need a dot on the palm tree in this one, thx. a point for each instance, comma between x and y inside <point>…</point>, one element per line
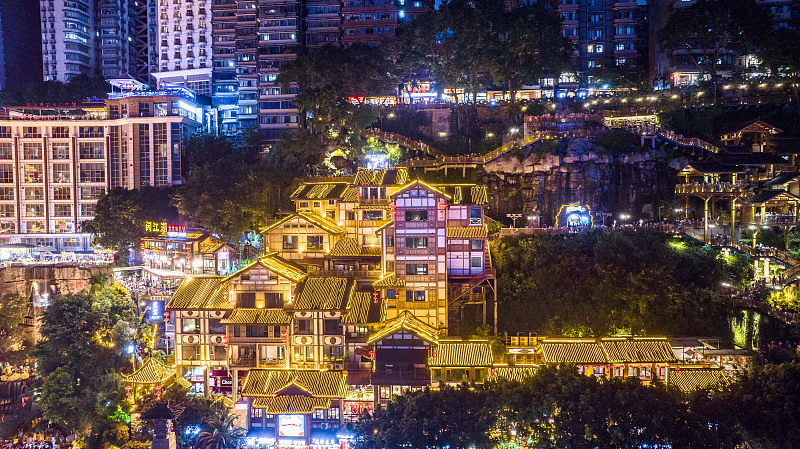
<point>221,432</point>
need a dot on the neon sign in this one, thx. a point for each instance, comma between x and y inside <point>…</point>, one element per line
<point>164,229</point>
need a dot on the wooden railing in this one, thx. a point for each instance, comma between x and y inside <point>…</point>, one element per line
<point>707,187</point>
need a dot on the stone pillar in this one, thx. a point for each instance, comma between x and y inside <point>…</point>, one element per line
<point>163,435</point>
<point>755,268</point>
<point>766,269</point>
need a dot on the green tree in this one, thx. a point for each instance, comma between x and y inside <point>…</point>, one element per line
<point>708,30</point>
<point>79,357</point>
<point>221,433</point>
<point>230,190</point>
<point>327,77</point>
<point>120,215</point>
<point>531,44</point>
<point>622,282</point>
<point>764,400</point>
<point>13,308</point>
<point>76,91</point>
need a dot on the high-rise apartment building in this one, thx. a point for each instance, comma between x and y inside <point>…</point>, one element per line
<point>55,162</point>
<point>183,30</point>
<point>108,38</point>
<point>19,24</point>
<point>252,39</point>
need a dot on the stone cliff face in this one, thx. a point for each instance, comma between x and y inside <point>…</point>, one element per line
<point>55,278</point>
<point>538,181</point>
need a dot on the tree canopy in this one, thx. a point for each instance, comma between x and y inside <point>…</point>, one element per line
<point>605,283</point>
<point>560,408</point>
<point>120,214</point>
<point>708,30</point>
<point>230,190</point>
<point>80,356</point>
<point>77,90</point>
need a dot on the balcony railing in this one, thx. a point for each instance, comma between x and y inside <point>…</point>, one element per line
<point>367,274</point>
<point>401,374</point>
<point>773,220</point>
<point>707,187</point>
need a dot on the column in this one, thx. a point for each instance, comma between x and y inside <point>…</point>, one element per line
<point>766,269</point>
<point>705,220</point>
<point>733,220</point>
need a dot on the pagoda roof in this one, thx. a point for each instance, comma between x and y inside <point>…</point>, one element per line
<point>468,232</point>
<point>324,293</point>
<point>572,351</point>
<point>318,221</point>
<point>257,316</point>
<point>320,191</point>
<point>294,404</point>
<point>384,226</point>
<point>316,383</point>
<point>751,158</point>
<point>277,264</point>
<point>151,372</point>
<point>471,353</point>
<point>782,178</point>
<point>513,373</point>
<point>361,309</point>
<point>758,126</point>
<point>709,167</point>
<point>210,246</point>
<point>465,193</point>
<point>349,247</point>
<point>408,322</point>
<point>620,350</point>
<point>389,281</point>
<point>691,379</point>
<point>772,195</point>
<point>418,183</point>
<point>386,177</point>
<point>201,292</point>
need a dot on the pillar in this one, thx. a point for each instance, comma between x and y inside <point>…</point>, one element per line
<point>786,238</point>
<point>235,385</point>
<point>755,268</point>
<point>206,393</point>
<point>733,220</point>
<point>686,208</point>
<point>705,220</point>
<point>766,269</point>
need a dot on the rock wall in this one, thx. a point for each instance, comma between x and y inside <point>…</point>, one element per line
<point>61,278</point>
<point>538,180</point>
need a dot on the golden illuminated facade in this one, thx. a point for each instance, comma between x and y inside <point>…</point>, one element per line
<point>354,302</point>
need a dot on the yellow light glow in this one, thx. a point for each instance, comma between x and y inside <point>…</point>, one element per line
<point>674,96</point>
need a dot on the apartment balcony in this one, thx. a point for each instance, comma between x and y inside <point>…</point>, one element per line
<point>624,5</point>
<point>253,362</point>
<point>369,22</point>
<point>373,201</point>
<point>382,376</point>
<point>708,188</point>
<point>568,8</point>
